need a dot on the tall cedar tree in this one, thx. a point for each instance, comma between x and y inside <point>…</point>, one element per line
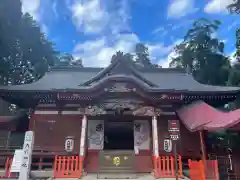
<point>25,53</point>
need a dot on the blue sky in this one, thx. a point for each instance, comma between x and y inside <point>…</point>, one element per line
<point>95,29</point>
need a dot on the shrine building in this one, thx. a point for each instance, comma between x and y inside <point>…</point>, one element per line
<point>120,112</point>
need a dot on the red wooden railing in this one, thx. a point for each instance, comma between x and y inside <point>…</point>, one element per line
<point>63,167</point>
<point>68,167</point>
<point>200,170</point>
<point>196,170</point>
<point>7,173</point>
<point>8,165</point>
<point>164,167</point>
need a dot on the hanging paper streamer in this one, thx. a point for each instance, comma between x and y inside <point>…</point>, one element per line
<point>95,134</point>
<point>141,135</point>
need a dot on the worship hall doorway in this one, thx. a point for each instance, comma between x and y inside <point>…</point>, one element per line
<point>118,135</point>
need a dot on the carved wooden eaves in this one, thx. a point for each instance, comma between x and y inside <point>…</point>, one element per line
<point>120,87</point>
<point>121,104</point>
<point>93,111</point>
<point>146,111</point>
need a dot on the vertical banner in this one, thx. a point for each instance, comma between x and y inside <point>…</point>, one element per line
<point>95,134</point>
<point>174,129</point>
<point>141,135</point>
<point>27,155</point>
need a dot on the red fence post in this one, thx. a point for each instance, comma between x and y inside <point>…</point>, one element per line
<point>68,167</point>
<point>216,170</point>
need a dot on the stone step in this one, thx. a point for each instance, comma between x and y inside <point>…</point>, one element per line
<point>116,171</point>
<point>117,175</point>
<point>138,176</point>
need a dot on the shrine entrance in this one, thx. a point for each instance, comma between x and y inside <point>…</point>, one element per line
<point>118,135</point>
<point>118,152</point>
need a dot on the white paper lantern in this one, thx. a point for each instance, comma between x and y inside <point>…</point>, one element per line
<point>69,144</point>
<point>167,145</point>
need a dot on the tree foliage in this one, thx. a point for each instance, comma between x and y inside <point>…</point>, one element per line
<point>67,60</point>
<point>142,55</point>
<point>234,75</point>
<point>234,7</point>
<point>237,54</point>
<point>25,52</point>
<point>202,53</point>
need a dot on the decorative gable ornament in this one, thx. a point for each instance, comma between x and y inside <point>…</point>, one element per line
<point>167,145</point>
<point>69,144</point>
<point>119,87</point>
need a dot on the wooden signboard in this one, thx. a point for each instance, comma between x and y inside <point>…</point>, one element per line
<point>174,133</point>
<point>174,129</point>
<point>27,156</point>
<point>17,161</point>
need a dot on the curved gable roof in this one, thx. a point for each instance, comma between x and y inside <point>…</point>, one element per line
<point>153,79</point>
<point>123,67</point>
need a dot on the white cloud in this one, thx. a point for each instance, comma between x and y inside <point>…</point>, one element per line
<point>96,16</point>
<point>163,59</point>
<point>54,8</point>
<point>31,7</point>
<point>108,21</point>
<point>217,6</point>
<point>180,8</point>
<point>160,50</point>
<point>233,25</point>
<point>98,53</point>
<point>232,58</point>
<point>43,11</point>
<point>44,28</point>
<point>166,61</point>
<point>89,16</point>
<point>159,30</point>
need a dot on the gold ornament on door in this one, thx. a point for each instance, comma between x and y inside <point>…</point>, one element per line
<point>116,161</point>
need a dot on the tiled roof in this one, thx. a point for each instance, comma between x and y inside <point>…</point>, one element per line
<point>152,79</point>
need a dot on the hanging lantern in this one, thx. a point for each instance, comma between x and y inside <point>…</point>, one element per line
<point>167,145</point>
<point>69,144</point>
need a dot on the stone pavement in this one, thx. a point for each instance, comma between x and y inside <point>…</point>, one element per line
<point>94,177</point>
<point>140,177</point>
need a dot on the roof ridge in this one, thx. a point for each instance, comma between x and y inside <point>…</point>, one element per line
<point>165,70</point>
<point>113,64</point>
<point>75,68</point>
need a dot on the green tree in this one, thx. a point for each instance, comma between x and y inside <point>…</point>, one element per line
<point>235,7</point>
<point>234,77</point>
<point>64,59</point>
<point>78,62</point>
<point>25,53</point>
<point>142,55</point>
<point>237,54</point>
<point>203,54</point>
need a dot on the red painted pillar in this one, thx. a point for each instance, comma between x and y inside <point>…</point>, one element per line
<point>202,144</point>
<point>155,146</point>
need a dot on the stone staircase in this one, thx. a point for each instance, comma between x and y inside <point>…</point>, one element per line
<point>137,176</point>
